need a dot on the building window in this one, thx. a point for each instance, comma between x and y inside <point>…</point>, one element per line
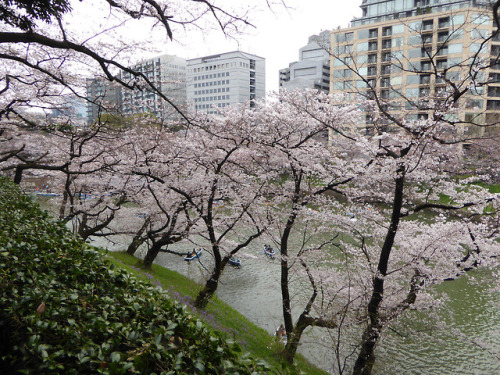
<point>387,31</point>
<point>386,56</point>
<point>494,91</point>
<point>372,70</point>
<point>386,43</point>
<point>425,79</point>
<point>493,104</point>
<point>494,77</point>
<point>427,38</point>
<point>372,59</point>
<point>427,51</point>
<point>386,69</point>
<point>427,25</point>
<point>373,33</point>
<point>442,36</point>
<point>442,64</point>
<point>372,46</point>
<point>444,22</point>
<point>426,65</point>
<point>424,91</point>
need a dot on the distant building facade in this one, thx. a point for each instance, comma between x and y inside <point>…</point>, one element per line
<point>71,108</point>
<point>168,74</point>
<point>102,97</point>
<point>403,49</point>
<point>225,79</point>
<point>313,68</point>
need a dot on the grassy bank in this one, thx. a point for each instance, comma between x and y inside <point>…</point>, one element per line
<point>66,308</point>
<point>218,314</point>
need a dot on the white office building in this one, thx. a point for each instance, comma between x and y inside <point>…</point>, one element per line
<point>225,79</point>
<point>313,68</point>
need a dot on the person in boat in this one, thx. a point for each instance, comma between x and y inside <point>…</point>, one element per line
<point>267,247</point>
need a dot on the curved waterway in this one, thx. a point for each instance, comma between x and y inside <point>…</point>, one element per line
<point>473,308</point>
<point>254,291</point>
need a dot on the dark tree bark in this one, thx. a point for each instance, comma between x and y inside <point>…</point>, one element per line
<point>371,335</point>
<point>139,238</point>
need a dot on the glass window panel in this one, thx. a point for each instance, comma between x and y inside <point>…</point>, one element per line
<point>363,34</point>
<point>479,34</point>
<point>361,84</point>
<point>412,93</point>
<point>362,59</point>
<point>396,81</point>
<point>362,47</point>
<point>480,19</point>
<point>398,29</point>
<point>478,48</point>
<point>455,48</point>
<point>412,79</point>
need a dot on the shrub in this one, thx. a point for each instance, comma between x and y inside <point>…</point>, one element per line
<point>64,309</point>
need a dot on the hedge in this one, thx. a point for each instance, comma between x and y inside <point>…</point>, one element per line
<point>64,309</point>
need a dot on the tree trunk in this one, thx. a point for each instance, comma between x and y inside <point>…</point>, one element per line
<point>210,287</point>
<point>294,339</point>
<point>285,287</point>
<point>18,176</point>
<point>152,254</point>
<point>138,239</point>
<point>366,357</point>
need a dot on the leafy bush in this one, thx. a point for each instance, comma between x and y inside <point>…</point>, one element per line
<point>64,309</point>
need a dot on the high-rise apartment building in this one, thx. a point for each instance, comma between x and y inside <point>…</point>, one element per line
<point>225,79</point>
<point>102,97</point>
<point>168,74</point>
<point>313,68</point>
<point>409,51</point>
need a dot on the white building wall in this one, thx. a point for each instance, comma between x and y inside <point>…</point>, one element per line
<point>225,79</point>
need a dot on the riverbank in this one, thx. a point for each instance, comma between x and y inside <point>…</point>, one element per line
<point>65,309</point>
<point>218,315</point>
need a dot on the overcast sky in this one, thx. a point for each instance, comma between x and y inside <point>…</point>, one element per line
<point>279,35</point>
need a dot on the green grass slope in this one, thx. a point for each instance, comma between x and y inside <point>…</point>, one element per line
<point>66,310</point>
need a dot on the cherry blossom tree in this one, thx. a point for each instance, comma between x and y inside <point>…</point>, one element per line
<point>398,220</point>
<point>221,187</point>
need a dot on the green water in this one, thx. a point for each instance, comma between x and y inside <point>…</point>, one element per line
<point>470,344</point>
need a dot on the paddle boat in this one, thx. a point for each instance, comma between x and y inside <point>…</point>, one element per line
<point>234,262</point>
<point>270,252</point>
<point>193,255</point>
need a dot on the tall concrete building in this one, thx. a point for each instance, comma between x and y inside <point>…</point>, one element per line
<point>168,74</point>
<point>313,68</point>
<point>410,51</point>
<point>102,97</point>
<point>225,79</point>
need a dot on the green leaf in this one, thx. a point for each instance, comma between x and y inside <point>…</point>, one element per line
<point>115,357</point>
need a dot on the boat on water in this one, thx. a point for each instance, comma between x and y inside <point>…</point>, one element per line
<point>234,262</point>
<point>193,255</point>
<point>270,252</point>
<point>47,194</point>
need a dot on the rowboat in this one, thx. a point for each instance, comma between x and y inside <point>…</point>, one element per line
<point>270,252</point>
<point>192,256</point>
<point>235,262</point>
